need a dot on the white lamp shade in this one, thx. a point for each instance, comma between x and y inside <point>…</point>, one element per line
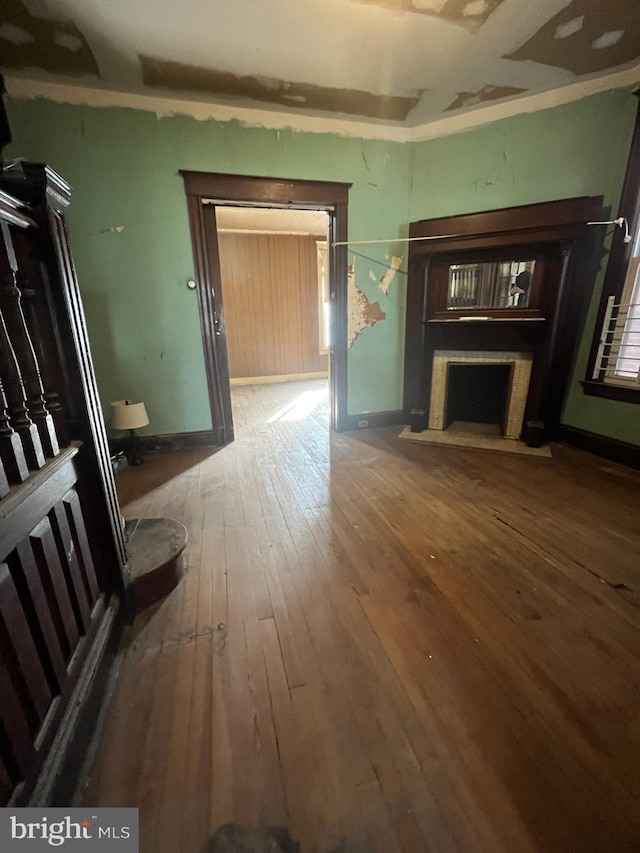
<point>127,414</point>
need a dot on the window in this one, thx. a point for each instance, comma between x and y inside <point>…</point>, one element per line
<point>614,366</point>
<point>324,297</point>
<point>621,357</point>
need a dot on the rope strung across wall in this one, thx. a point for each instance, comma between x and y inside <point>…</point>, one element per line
<point>392,240</point>
<point>621,222</point>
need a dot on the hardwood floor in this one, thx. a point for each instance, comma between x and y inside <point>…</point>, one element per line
<point>381,645</point>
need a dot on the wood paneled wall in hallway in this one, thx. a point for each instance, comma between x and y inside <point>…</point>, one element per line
<point>270,289</point>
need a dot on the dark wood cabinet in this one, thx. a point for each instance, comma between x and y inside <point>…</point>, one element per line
<point>62,549</point>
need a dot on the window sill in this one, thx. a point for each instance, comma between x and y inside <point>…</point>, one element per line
<point>622,393</point>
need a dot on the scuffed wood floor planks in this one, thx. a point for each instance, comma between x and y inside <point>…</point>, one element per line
<point>381,645</point>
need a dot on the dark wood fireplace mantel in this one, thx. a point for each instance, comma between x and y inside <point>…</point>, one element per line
<point>553,234</point>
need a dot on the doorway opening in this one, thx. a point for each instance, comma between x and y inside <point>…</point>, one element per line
<point>209,197</point>
<point>275,282</point>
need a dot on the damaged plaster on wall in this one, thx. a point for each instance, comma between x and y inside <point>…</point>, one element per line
<point>387,279</point>
<point>362,313</point>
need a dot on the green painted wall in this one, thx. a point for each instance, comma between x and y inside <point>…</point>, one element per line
<point>576,149</point>
<point>143,322</point>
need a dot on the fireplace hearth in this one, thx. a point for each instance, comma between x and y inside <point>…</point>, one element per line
<point>516,365</point>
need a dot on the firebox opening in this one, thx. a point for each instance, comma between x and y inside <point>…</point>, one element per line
<point>478,394</point>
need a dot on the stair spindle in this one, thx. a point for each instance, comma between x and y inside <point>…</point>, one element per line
<point>11,451</point>
<point>11,303</point>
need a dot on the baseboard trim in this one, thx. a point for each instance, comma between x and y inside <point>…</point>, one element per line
<point>374,420</point>
<point>173,441</point>
<point>183,440</point>
<point>601,445</point>
<point>272,380</point>
<point>74,745</point>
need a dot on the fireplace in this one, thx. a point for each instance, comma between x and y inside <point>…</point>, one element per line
<point>448,403</point>
<point>477,394</point>
<point>503,287</point>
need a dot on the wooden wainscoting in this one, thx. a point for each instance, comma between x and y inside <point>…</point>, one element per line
<point>270,285</point>
<point>51,608</point>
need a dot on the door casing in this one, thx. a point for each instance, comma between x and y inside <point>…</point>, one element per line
<point>329,196</point>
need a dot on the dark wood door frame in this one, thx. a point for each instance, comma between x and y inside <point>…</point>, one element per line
<point>277,192</point>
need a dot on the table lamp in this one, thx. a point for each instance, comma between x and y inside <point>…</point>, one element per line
<point>128,414</point>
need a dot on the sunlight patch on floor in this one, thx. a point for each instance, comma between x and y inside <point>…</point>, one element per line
<point>302,407</point>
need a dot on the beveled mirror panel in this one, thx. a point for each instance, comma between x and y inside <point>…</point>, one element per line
<point>495,284</point>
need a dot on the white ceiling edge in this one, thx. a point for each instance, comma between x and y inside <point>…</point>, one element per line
<point>164,106</point>
<point>267,220</point>
<point>272,232</point>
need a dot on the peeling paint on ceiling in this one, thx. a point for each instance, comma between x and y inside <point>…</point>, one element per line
<point>587,36</point>
<point>30,41</point>
<point>267,220</point>
<point>467,13</point>
<point>399,63</point>
<point>486,93</point>
<point>177,77</point>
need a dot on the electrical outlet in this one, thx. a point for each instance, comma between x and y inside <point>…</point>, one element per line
<point>363,424</point>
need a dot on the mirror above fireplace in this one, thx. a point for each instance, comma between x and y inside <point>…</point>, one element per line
<point>490,284</point>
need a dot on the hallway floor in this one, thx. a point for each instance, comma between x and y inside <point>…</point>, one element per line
<point>381,645</point>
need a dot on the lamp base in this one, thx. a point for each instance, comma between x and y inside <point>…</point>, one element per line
<point>134,450</point>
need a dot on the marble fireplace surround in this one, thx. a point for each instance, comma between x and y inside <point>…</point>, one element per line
<point>521,363</point>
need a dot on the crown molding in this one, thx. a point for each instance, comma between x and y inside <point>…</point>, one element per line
<point>164,106</point>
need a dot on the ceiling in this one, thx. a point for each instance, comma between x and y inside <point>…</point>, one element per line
<point>393,62</point>
<point>266,220</point>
